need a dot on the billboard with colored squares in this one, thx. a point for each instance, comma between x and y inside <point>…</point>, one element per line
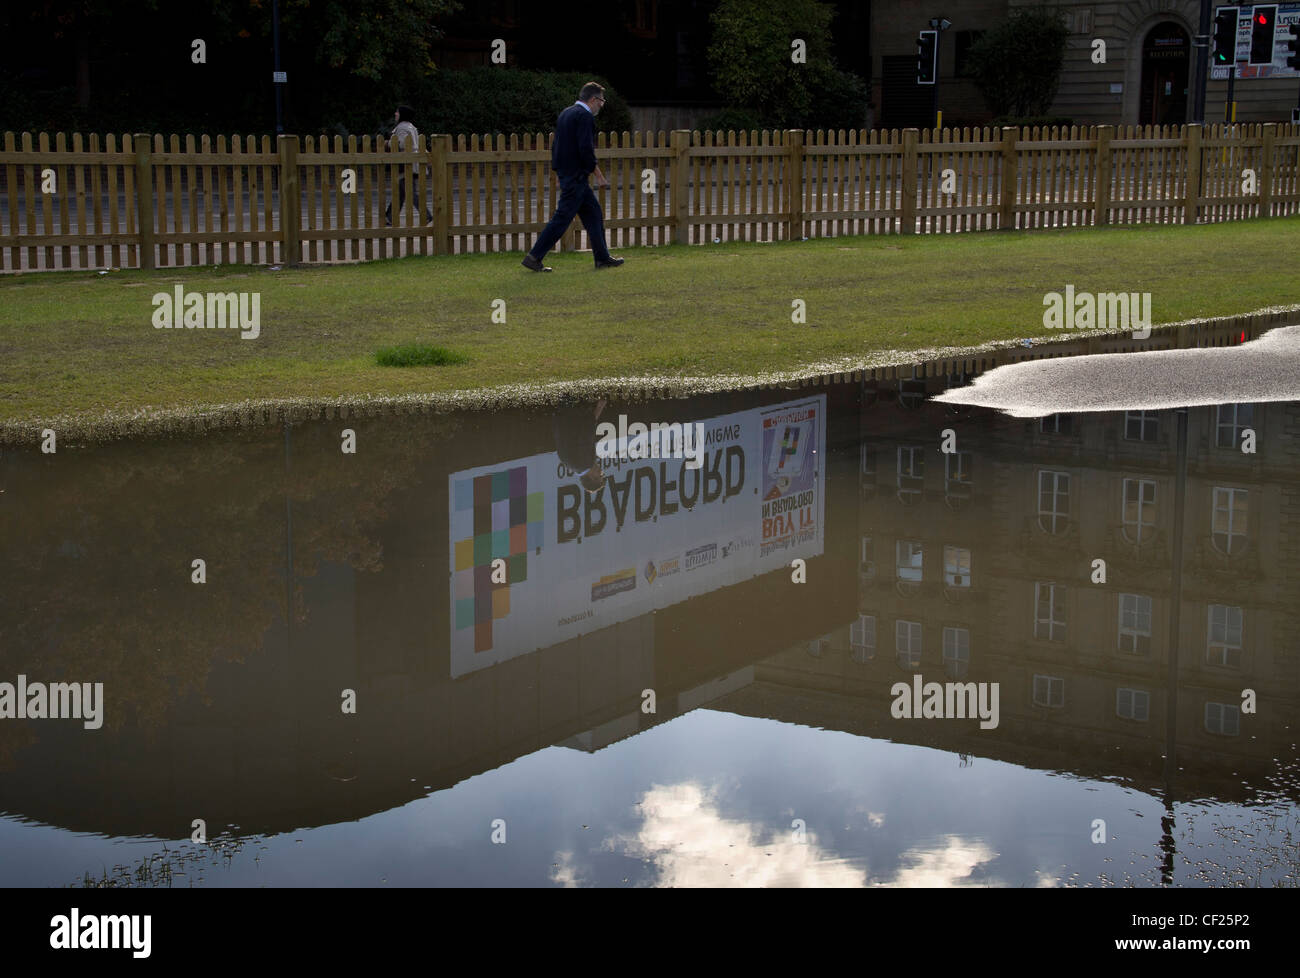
<point>658,531</point>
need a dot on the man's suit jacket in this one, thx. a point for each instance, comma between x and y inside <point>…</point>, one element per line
<point>573,153</point>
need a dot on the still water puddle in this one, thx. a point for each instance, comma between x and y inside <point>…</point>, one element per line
<point>450,658</point>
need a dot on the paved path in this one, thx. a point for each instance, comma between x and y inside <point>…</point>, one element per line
<point>1266,369</point>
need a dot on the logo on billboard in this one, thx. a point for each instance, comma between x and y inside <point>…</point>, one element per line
<point>616,583</point>
<point>701,556</point>
<point>494,516</point>
<point>732,546</point>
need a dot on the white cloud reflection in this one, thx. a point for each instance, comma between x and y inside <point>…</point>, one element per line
<point>688,842</point>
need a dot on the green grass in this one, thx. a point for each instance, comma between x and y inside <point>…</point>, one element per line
<point>82,344</point>
<point>418,355</point>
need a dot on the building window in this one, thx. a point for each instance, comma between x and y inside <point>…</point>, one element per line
<point>817,647</point>
<point>1049,691</point>
<point>911,472</point>
<point>868,464</point>
<point>862,638</point>
<point>956,566</point>
<point>644,21</point>
<point>1223,636</point>
<point>957,478</point>
<point>1232,420</point>
<point>956,652</point>
<point>1049,611</point>
<point>1133,704</point>
<point>867,557</point>
<point>1139,510</point>
<point>1135,624</point>
<point>1223,718</point>
<point>907,640</point>
<point>1228,527</point>
<point>1053,501</point>
<point>909,561</point>
<point>962,41</point>
<point>911,392</point>
<point>1056,424</point>
<point>1141,426</point>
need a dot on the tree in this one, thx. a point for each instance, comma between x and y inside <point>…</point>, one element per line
<point>1017,64</point>
<point>752,68</point>
<point>127,65</point>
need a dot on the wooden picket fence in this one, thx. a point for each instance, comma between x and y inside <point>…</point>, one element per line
<point>149,201</point>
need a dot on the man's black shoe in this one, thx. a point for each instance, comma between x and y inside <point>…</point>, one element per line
<point>532,263</point>
<point>610,262</point>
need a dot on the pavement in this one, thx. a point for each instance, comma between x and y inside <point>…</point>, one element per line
<point>1265,369</point>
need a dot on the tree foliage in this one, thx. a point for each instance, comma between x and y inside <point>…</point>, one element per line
<point>126,65</point>
<point>1017,64</point>
<point>492,99</point>
<point>752,69</point>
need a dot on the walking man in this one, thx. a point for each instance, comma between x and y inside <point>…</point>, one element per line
<point>405,139</point>
<point>573,158</point>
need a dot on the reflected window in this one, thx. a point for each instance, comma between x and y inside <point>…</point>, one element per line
<point>911,392</point>
<point>956,566</point>
<point>1056,424</point>
<point>1139,510</point>
<point>867,556</point>
<point>1049,611</point>
<point>1141,426</point>
<point>1223,636</point>
<point>907,641</point>
<point>1132,704</point>
<point>862,638</point>
<point>1135,624</point>
<point>1053,501</point>
<point>1232,420</point>
<point>1049,691</point>
<point>1228,522</point>
<point>909,561</point>
<point>1223,718</point>
<point>957,479</point>
<point>956,652</point>
<point>911,472</point>
<point>868,465</point>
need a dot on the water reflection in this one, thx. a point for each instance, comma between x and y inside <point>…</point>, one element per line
<point>772,755</point>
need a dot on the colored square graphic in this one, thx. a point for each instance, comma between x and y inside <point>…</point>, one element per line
<point>505,521</point>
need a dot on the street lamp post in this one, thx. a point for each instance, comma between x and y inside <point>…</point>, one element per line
<point>278,77</point>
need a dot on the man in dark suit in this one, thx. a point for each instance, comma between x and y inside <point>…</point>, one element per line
<point>573,158</point>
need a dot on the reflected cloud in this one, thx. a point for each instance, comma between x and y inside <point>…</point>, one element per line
<point>564,872</point>
<point>950,864</point>
<point>690,843</point>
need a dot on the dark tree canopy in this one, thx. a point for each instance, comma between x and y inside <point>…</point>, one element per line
<point>750,59</point>
<point>1017,64</point>
<point>128,65</point>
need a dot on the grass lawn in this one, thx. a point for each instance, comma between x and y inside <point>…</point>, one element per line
<point>82,345</point>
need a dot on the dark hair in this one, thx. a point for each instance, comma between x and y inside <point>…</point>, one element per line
<point>405,114</point>
<point>590,91</point>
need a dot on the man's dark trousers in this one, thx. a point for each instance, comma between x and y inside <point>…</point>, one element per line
<point>576,198</point>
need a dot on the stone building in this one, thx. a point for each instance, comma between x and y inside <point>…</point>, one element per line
<point>1146,77</point>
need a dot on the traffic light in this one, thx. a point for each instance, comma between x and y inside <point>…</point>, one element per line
<point>927,62</point>
<point>1293,46</point>
<point>1261,35</point>
<point>1225,36</point>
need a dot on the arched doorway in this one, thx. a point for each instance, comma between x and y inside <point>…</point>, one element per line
<point>1166,55</point>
